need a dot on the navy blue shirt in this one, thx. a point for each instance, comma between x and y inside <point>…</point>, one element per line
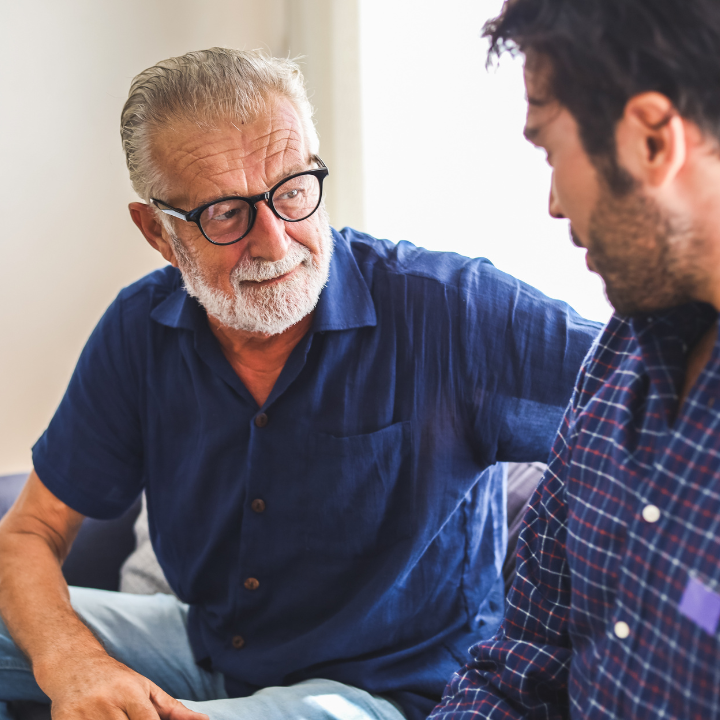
<point>375,556</point>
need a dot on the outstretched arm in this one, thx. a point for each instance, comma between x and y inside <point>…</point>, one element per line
<point>70,665</point>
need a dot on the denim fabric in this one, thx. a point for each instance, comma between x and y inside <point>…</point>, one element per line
<point>149,635</point>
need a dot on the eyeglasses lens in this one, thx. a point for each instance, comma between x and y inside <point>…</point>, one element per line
<point>226,221</point>
<point>297,198</point>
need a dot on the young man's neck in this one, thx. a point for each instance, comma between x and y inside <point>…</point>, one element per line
<point>698,358</point>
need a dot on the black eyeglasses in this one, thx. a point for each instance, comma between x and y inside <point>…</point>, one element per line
<point>229,219</point>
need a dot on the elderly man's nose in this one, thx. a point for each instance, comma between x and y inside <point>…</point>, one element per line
<point>554,205</point>
<point>268,240</point>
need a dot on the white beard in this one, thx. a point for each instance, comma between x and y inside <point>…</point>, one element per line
<point>271,309</point>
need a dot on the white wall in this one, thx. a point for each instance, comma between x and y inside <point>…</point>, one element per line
<point>326,34</point>
<point>446,165</point>
<point>67,244</point>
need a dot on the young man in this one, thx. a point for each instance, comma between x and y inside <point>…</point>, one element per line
<point>615,609</point>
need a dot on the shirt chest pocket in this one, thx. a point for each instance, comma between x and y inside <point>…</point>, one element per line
<point>359,492</point>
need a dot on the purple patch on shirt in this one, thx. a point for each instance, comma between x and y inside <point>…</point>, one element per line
<point>701,605</point>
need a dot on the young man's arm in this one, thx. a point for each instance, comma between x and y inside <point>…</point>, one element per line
<point>523,671</point>
<point>70,665</point>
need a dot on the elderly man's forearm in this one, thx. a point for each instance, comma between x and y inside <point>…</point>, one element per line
<point>35,605</point>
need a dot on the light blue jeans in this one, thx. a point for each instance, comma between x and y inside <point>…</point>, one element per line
<point>149,634</point>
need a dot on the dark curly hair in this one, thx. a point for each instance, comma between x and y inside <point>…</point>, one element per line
<point>601,53</point>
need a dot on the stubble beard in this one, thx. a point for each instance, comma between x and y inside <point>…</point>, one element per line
<point>647,260</point>
<point>269,309</point>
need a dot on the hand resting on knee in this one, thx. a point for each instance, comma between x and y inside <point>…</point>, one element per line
<point>69,663</point>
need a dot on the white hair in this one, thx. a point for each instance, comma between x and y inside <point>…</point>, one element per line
<point>205,87</point>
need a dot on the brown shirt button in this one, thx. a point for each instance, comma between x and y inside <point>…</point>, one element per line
<point>238,642</point>
<point>258,505</point>
<point>261,420</point>
<point>251,584</point>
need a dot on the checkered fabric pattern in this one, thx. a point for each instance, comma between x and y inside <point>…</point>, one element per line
<point>615,609</point>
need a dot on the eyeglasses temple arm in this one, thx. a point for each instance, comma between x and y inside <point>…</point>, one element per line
<point>168,210</point>
<point>174,213</point>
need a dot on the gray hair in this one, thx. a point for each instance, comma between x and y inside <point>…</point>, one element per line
<point>203,87</point>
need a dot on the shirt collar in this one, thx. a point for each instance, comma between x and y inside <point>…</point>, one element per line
<point>665,339</point>
<point>178,309</point>
<point>345,302</point>
<point>685,323</point>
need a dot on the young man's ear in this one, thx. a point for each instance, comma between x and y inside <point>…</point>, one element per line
<point>144,217</point>
<point>651,139</point>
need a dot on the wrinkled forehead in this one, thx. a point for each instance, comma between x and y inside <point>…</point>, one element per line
<point>204,158</point>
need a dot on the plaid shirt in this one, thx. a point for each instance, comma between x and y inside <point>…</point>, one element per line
<point>615,609</point>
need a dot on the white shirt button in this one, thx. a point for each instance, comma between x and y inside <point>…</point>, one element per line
<point>622,629</point>
<point>651,513</point>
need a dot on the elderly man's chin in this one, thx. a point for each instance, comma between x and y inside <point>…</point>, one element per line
<point>259,308</point>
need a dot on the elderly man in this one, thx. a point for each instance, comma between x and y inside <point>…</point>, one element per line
<point>615,610</point>
<point>312,415</point>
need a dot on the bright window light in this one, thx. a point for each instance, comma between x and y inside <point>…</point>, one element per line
<point>446,165</point>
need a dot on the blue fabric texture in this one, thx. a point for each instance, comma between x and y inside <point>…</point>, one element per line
<point>378,554</point>
<point>625,523</point>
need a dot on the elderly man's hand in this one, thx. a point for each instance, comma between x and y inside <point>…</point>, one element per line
<point>68,661</point>
<point>101,688</point>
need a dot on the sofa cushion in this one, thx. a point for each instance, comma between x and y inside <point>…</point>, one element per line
<point>523,478</point>
<point>100,547</point>
<point>10,486</point>
<point>141,573</point>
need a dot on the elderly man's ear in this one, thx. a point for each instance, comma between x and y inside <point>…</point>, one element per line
<point>144,217</point>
